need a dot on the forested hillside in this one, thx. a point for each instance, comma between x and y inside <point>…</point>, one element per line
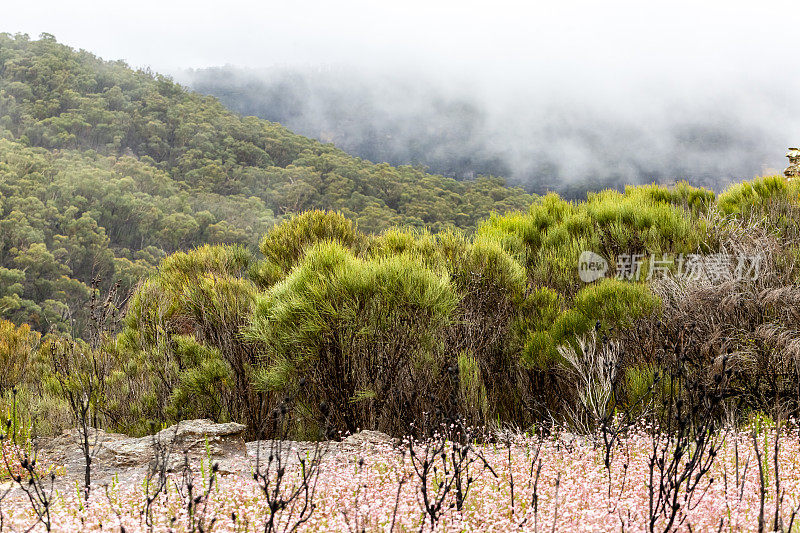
<point>105,169</point>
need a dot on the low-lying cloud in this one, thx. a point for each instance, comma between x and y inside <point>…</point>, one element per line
<point>557,133</point>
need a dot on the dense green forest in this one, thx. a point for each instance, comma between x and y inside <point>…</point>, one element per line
<point>104,170</point>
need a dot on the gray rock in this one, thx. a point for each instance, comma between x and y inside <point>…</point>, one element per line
<point>291,451</point>
<point>370,438</point>
<point>127,459</point>
<point>130,457</point>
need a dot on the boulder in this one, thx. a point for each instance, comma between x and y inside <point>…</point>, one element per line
<point>114,454</point>
<point>127,459</point>
<point>370,438</point>
<point>292,451</point>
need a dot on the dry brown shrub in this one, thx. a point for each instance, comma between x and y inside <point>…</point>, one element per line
<point>750,324</point>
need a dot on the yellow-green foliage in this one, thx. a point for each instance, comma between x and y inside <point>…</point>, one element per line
<point>36,374</point>
<point>332,304</point>
<point>181,348</point>
<point>405,300</point>
<point>639,384</point>
<point>208,259</point>
<point>608,303</point>
<point>473,390</point>
<point>187,283</point>
<point>614,302</point>
<point>550,237</point>
<point>488,264</point>
<point>420,243</point>
<point>490,285</point>
<point>479,264</point>
<point>105,169</point>
<point>340,302</point>
<point>333,295</point>
<point>17,347</point>
<point>355,329</point>
<point>694,199</point>
<point>772,200</point>
<point>285,244</point>
<point>203,385</point>
<point>369,321</point>
<point>742,198</point>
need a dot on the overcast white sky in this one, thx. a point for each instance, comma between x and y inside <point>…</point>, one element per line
<point>513,39</point>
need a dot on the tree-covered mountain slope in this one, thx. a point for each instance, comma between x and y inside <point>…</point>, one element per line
<point>105,169</point>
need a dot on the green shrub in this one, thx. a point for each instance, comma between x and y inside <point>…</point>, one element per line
<point>615,303</point>
<point>741,198</point>
<point>18,346</point>
<point>642,220</point>
<point>540,350</point>
<point>359,332</point>
<point>382,328</point>
<point>197,303</point>
<point>555,232</point>
<point>204,387</point>
<point>472,386</point>
<point>285,244</point>
<point>771,201</point>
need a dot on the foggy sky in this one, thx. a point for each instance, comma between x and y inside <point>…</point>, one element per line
<point>579,82</point>
<point>513,39</point>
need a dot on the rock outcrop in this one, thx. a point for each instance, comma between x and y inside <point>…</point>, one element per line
<point>371,439</point>
<point>353,445</point>
<point>130,457</point>
<point>127,459</point>
<point>793,170</point>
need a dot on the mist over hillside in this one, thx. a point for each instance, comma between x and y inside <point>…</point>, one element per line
<point>567,135</point>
